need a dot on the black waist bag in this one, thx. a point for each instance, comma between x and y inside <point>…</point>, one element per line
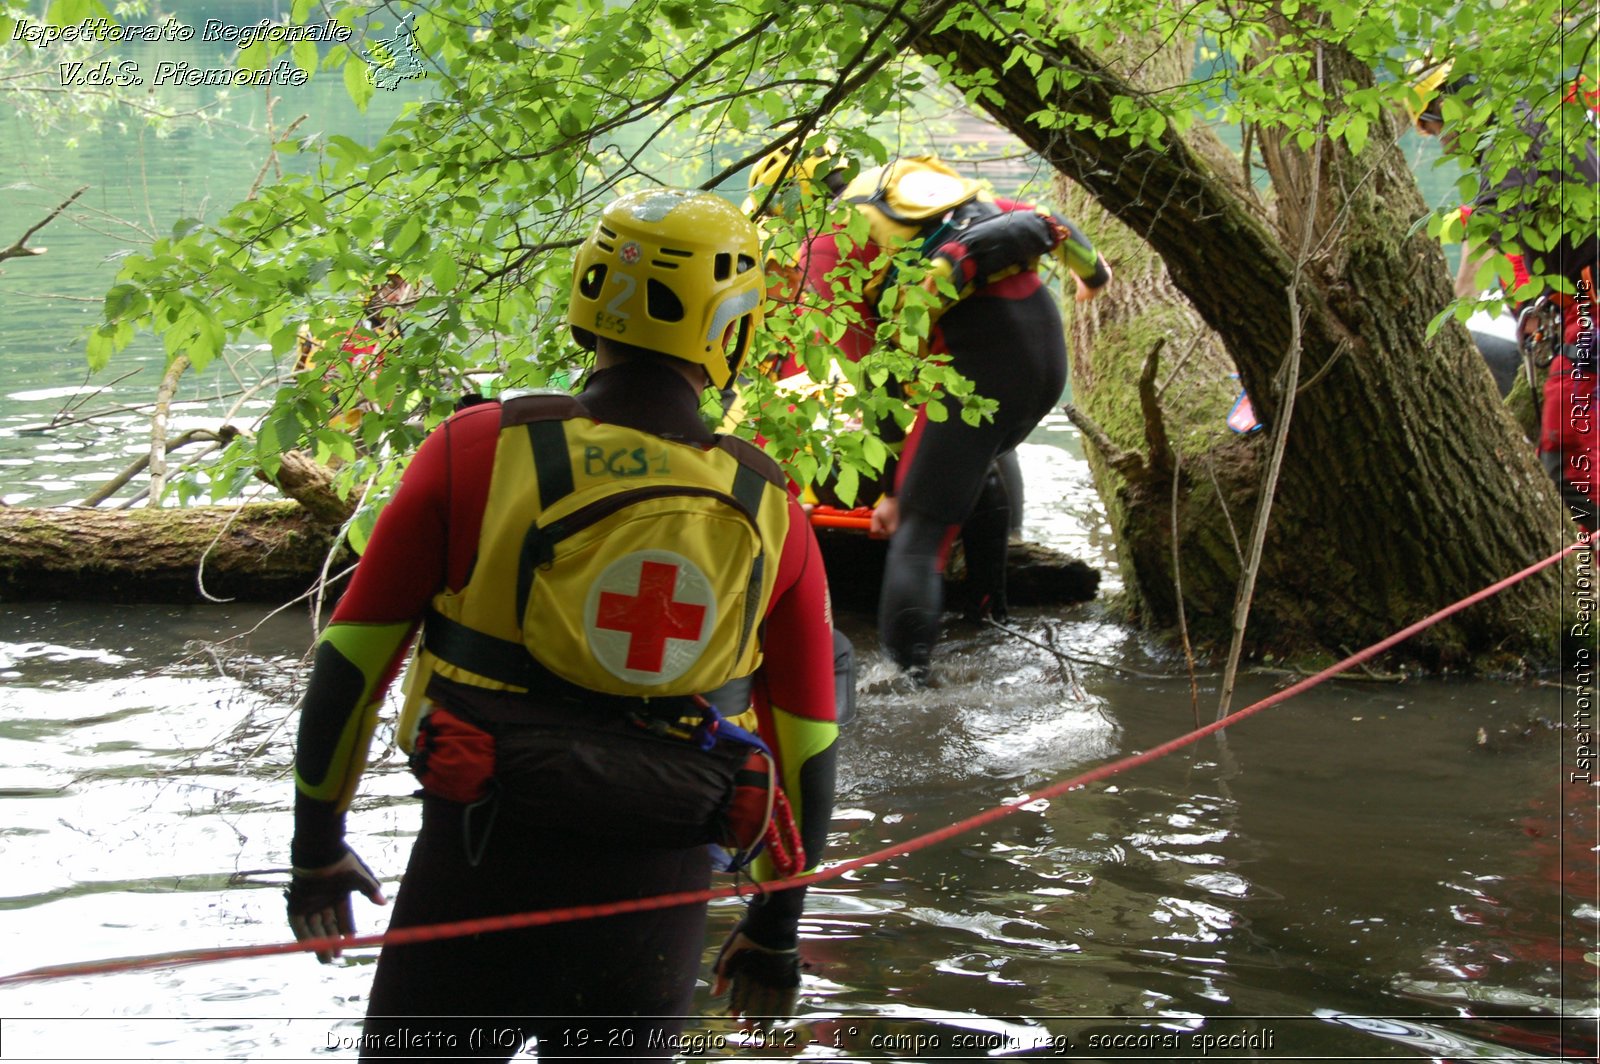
<point>612,781</point>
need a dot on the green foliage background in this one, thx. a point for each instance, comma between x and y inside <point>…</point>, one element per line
<point>535,113</point>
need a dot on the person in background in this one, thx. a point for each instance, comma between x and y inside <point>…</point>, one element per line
<point>362,348</point>
<point>587,573</point>
<point>1003,333</point>
<point>1556,329</point>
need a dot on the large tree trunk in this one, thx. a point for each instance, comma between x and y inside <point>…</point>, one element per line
<point>1152,385</point>
<point>1405,485</point>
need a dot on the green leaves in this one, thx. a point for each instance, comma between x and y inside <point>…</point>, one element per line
<point>1353,127</point>
<point>69,12</point>
<point>442,268</point>
<point>193,330</point>
<point>104,342</point>
<point>306,56</point>
<point>402,236</point>
<point>358,83</point>
<point>533,113</point>
<point>281,430</point>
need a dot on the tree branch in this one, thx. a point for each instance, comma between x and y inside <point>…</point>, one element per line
<point>1280,430</point>
<point>1128,464</point>
<point>1155,427</point>
<point>158,427</point>
<point>20,248</point>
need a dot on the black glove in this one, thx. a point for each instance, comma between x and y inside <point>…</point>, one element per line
<point>319,899</point>
<point>986,247</point>
<point>762,984</point>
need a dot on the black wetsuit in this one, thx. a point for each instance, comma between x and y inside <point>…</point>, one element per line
<point>1013,349</point>
<point>1007,339</point>
<point>470,989</point>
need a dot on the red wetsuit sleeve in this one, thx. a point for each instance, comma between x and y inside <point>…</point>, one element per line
<point>794,702</point>
<point>423,538</point>
<point>797,647</point>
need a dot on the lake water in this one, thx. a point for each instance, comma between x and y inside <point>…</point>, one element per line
<point>1374,870</point>
<point>1371,870</point>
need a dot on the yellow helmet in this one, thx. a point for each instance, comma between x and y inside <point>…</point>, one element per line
<point>677,271</point>
<point>1427,84</point>
<point>775,167</point>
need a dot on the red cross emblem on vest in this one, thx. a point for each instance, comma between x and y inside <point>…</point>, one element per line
<point>651,616</point>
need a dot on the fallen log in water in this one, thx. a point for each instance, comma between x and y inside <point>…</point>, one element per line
<point>274,551</point>
<point>270,552</point>
<point>1036,575</point>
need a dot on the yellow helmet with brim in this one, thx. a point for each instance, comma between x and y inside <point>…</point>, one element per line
<point>800,178</point>
<point>675,271</point>
<point>1430,83</point>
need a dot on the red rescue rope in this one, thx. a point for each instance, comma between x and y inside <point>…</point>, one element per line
<point>486,925</point>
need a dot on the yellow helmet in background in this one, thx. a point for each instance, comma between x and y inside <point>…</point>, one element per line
<point>1427,85</point>
<point>676,271</point>
<point>776,167</point>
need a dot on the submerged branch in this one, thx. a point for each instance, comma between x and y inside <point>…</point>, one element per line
<point>20,249</point>
<point>158,427</point>
<point>120,481</point>
<point>1063,656</point>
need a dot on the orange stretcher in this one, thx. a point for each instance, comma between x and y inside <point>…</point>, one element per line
<point>856,520</point>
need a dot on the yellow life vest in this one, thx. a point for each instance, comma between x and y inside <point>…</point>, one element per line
<point>621,562</point>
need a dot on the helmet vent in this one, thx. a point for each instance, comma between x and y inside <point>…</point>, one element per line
<point>661,302</point>
<point>593,279</point>
<point>722,267</point>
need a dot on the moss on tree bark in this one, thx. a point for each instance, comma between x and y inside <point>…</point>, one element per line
<point>271,551</point>
<point>1405,485</point>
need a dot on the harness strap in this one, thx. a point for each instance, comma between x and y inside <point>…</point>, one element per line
<point>552,464</point>
<point>502,660</point>
<point>714,727</point>
<point>749,487</point>
<point>508,661</point>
